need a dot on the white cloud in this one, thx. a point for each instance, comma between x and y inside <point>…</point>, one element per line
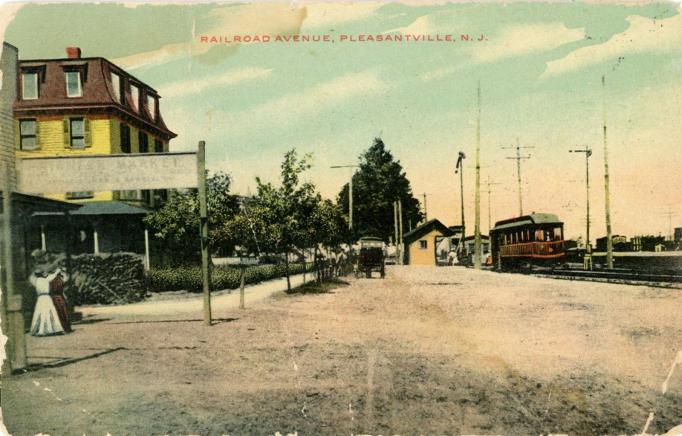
<point>195,86</point>
<point>643,35</point>
<point>420,26</point>
<point>289,107</point>
<point>521,40</point>
<point>251,19</point>
<point>331,14</point>
<point>440,73</point>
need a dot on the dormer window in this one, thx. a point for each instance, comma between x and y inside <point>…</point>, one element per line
<point>29,85</point>
<point>74,86</point>
<point>135,96</point>
<point>116,84</point>
<point>151,106</point>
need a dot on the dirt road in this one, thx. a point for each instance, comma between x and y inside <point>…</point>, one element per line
<point>425,351</point>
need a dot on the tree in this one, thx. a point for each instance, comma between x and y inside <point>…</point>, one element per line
<point>176,224</point>
<point>379,182</point>
<point>276,221</point>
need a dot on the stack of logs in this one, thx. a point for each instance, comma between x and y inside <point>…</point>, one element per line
<point>99,279</point>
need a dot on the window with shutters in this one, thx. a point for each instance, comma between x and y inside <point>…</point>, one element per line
<point>423,244</point>
<point>125,138</point>
<point>158,146</point>
<point>28,134</point>
<point>77,132</point>
<point>144,142</point>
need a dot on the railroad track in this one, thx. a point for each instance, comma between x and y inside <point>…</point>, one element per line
<point>613,276</point>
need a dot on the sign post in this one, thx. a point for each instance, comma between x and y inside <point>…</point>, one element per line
<point>16,347</point>
<point>203,231</point>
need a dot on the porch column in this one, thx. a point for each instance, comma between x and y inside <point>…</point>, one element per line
<point>95,239</point>
<point>43,241</point>
<point>146,249</point>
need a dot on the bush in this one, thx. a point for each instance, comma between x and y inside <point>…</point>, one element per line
<point>188,278</point>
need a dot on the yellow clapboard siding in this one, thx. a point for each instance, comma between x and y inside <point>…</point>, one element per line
<point>51,139</point>
<point>105,138</point>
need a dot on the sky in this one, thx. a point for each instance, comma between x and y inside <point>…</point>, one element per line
<point>539,66</point>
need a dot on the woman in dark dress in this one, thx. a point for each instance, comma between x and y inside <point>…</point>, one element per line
<point>57,294</point>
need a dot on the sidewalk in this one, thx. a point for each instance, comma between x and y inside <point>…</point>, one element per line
<point>194,304</point>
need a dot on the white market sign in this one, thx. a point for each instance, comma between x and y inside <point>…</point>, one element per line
<point>111,172</point>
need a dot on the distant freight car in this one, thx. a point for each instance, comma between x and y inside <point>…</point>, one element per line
<point>535,239</point>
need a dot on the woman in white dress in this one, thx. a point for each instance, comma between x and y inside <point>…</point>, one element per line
<point>45,317</point>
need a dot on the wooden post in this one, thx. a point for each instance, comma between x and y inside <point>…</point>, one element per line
<point>43,240</point>
<point>95,238</point>
<point>242,273</point>
<point>477,200</point>
<point>400,231</point>
<point>68,249</point>
<point>146,250</point>
<point>16,344</point>
<point>607,198</point>
<point>203,231</point>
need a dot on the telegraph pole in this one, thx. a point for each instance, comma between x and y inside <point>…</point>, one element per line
<point>607,203</point>
<point>477,214</point>
<point>588,246</point>
<point>489,184</point>
<point>203,230</point>
<point>518,159</point>
<point>426,216</point>
<point>350,193</point>
<point>400,229</point>
<point>459,167</point>
<point>670,214</point>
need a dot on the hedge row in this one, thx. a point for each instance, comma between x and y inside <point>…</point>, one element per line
<point>188,278</point>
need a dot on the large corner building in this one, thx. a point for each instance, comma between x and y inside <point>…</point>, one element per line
<point>83,106</point>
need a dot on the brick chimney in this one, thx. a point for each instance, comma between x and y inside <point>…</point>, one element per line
<point>73,52</point>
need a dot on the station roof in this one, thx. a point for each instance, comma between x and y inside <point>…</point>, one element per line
<point>425,228</point>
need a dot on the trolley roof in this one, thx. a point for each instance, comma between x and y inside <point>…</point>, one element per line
<point>534,218</point>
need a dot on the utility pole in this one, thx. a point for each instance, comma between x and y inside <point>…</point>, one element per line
<point>395,223</point>
<point>489,184</point>
<point>350,193</point>
<point>477,200</point>
<point>203,232</point>
<point>459,167</point>
<point>588,247</point>
<point>400,230</point>
<point>670,214</point>
<point>607,203</point>
<point>518,159</point>
<point>426,216</point>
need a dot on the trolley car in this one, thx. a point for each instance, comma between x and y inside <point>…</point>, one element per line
<point>535,239</point>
